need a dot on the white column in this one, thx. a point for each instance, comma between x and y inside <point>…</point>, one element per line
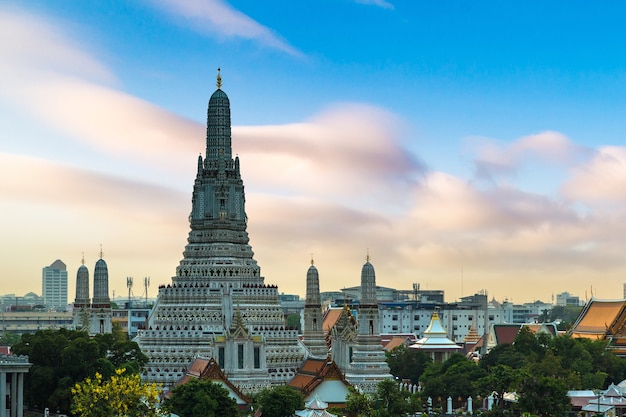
<point>20,394</point>
<point>3,394</point>
<point>14,394</point>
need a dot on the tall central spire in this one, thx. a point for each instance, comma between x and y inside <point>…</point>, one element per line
<point>218,246</point>
<point>218,140</point>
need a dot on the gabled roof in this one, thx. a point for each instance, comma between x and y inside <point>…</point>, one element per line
<point>313,372</point>
<point>397,341</point>
<point>597,317</point>
<point>203,368</point>
<point>505,333</point>
<point>331,316</point>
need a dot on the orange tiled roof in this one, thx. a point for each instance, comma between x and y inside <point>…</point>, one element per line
<point>395,342</point>
<point>597,317</point>
<point>331,316</point>
<point>313,372</point>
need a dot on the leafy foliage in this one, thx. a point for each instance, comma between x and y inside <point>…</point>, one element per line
<point>61,358</point>
<point>279,401</point>
<point>390,401</point>
<point>201,398</point>
<point>358,403</point>
<point>122,395</point>
<point>406,363</point>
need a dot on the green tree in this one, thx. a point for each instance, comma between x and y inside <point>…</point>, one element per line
<point>406,363</point>
<point>122,395</point>
<point>201,398</point>
<point>279,401</point>
<point>500,379</point>
<point>453,378</point>
<point>358,403</point>
<point>390,401</point>
<point>10,339</point>
<point>61,358</point>
<point>504,354</point>
<point>543,395</point>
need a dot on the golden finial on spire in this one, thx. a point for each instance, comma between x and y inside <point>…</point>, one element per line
<point>219,79</point>
<point>368,255</point>
<point>312,262</point>
<point>101,251</point>
<point>83,259</point>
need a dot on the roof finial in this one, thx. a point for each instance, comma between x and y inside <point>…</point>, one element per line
<point>101,251</point>
<point>219,79</point>
<point>83,260</point>
<point>368,255</point>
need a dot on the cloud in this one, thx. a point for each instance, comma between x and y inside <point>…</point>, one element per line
<point>495,160</point>
<point>30,45</point>
<point>380,3</point>
<point>54,80</point>
<point>601,181</point>
<point>218,17</point>
<point>345,152</point>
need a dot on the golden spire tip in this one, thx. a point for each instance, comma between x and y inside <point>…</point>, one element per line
<point>219,79</point>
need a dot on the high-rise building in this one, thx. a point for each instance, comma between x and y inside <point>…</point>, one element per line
<point>218,304</point>
<point>54,285</point>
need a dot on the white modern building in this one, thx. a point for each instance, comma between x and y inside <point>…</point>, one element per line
<point>54,285</point>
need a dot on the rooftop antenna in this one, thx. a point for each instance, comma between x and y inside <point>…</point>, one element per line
<point>146,284</point>
<point>129,285</point>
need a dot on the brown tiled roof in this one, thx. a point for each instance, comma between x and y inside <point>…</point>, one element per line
<point>397,341</point>
<point>506,333</point>
<point>315,371</point>
<point>331,316</point>
<point>202,368</point>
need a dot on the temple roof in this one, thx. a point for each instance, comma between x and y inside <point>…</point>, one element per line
<point>597,317</point>
<point>313,372</point>
<point>435,337</point>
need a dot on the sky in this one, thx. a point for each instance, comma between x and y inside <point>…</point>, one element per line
<point>463,146</point>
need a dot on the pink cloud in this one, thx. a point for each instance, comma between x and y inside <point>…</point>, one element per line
<point>601,181</point>
<point>494,159</point>
<point>218,17</point>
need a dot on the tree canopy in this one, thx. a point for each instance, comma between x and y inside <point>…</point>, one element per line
<point>122,395</point>
<point>201,398</point>
<point>61,358</point>
<point>279,401</point>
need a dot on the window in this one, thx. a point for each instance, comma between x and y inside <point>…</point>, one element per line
<point>240,356</point>
<point>220,357</point>
<point>394,317</point>
<point>257,358</point>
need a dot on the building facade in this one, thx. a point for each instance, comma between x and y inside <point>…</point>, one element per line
<point>54,285</point>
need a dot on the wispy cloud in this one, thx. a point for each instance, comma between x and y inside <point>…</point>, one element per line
<point>380,3</point>
<point>217,17</point>
<point>495,160</point>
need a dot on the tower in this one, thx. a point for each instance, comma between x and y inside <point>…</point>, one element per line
<point>54,285</point>
<point>82,302</point>
<point>313,333</point>
<point>101,314</point>
<point>218,305</point>
<point>368,364</point>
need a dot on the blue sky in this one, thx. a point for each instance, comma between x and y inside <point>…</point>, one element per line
<point>467,146</point>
